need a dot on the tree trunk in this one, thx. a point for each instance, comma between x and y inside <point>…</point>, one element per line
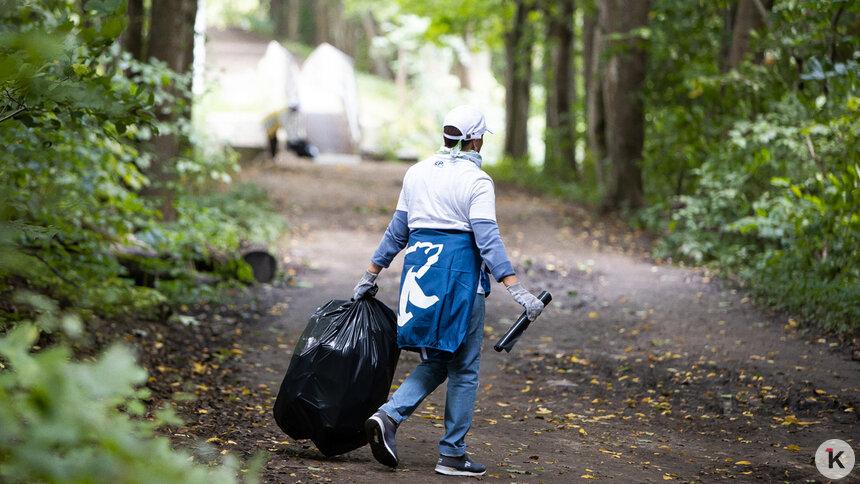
<point>171,35</point>
<point>171,39</point>
<point>747,18</point>
<point>729,13</point>
<point>339,29</point>
<point>462,66</point>
<point>560,138</point>
<point>380,63</point>
<point>322,19</point>
<point>518,47</point>
<point>294,9</point>
<point>280,15</point>
<point>623,80</point>
<point>592,67</point>
<point>132,37</point>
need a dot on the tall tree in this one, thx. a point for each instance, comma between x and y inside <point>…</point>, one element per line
<point>279,12</point>
<point>380,63</point>
<point>518,74</point>
<point>323,18</point>
<point>560,153</point>
<point>132,38</point>
<point>623,80</point>
<point>749,16</point>
<point>592,72</point>
<point>171,39</point>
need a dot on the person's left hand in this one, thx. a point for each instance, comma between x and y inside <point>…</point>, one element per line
<point>533,305</point>
<point>364,285</point>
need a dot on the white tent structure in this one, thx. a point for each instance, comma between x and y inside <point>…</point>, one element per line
<point>329,101</point>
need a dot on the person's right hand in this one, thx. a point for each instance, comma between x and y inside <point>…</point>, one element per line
<point>364,285</point>
<point>533,305</point>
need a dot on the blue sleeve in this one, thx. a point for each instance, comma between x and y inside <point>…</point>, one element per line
<point>492,249</point>
<point>395,239</point>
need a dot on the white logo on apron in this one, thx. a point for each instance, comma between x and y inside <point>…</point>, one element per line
<point>411,290</point>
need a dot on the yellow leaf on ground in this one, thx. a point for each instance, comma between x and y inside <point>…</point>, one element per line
<point>592,315</point>
<point>742,463</point>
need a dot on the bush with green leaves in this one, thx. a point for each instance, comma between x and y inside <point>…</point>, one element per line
<point>756,171</point>
<point>76,120</point>
<point>66,421</point>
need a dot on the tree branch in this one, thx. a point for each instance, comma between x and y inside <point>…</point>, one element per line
<point>763,12</point>
<point>21,106</point>
<point>815,156</point>
<point>49,266</point>
<point>13,114</point>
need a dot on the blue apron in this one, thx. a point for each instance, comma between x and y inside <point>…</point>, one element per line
<point>441,272</point>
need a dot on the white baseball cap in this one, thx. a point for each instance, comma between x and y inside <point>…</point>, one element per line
<point>469,120</point>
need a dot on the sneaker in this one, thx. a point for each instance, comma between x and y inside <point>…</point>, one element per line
<point>380,435</point>
<point>459,466</point>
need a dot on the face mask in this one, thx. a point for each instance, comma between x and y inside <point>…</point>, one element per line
<point>455,152</point>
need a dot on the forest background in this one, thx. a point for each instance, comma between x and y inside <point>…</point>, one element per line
<point>729,129</point>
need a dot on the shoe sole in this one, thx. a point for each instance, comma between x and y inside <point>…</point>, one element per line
<point>451,471</point>
<point>375,431</point>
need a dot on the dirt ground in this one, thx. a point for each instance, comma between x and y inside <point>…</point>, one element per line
<point>637,372</point>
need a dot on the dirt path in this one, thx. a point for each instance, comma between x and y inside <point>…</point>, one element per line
<point>638,372</point>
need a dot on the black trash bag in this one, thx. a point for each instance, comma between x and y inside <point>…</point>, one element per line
<point>339,375</point>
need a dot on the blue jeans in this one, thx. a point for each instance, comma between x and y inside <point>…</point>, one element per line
<point>462,374</point>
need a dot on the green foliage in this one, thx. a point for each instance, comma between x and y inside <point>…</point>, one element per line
<point>64,421</point>
<point>756,169</point>
<point>78,119</point>
<point>527,175</point>
<point>485,20</point>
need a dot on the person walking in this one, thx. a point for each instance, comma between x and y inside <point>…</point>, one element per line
<point>446,220</point>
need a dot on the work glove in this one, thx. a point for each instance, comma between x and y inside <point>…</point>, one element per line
<point>528,300</point>
<point>364,285</point>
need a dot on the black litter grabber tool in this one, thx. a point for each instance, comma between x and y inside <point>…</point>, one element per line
<point>516,330</point>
